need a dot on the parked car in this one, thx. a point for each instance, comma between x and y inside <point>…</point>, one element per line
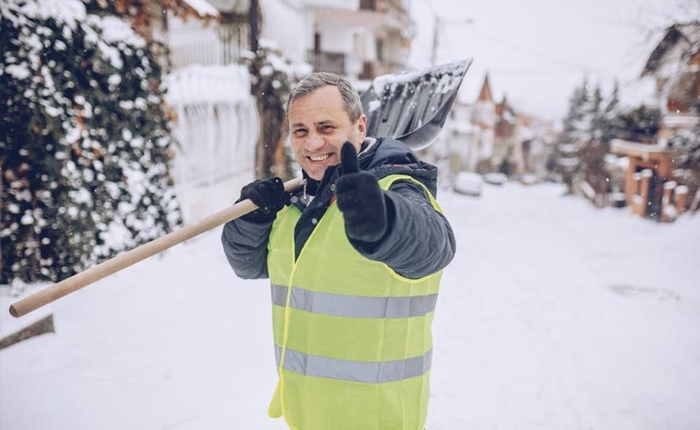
<point>468,183</point>
<point>528,179</point>
<point>495,178</point>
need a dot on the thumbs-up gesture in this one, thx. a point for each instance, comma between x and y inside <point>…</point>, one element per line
<point>360,199</point>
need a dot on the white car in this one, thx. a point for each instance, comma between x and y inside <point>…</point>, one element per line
<point>495,178</point>
<point>468,183</point>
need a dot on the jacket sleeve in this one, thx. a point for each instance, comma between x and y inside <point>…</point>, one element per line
<point>419,240</point>
<point>245,246</point>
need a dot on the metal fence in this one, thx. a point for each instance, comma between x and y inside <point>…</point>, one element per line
<point>216,127</point>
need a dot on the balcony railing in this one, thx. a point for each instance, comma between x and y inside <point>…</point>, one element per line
<point>222,45</point>
<point>333,62</point>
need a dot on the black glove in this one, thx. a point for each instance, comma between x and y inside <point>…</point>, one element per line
<point>268,195</point>
<point>360,199</point>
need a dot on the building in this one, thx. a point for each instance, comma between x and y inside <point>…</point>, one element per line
<point>360,39</point>
<point>675,67</point>
<point>650,184</point>
<point>489,136</point>
<point>654,186</point>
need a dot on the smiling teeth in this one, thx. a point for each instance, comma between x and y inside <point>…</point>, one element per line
<point>320,157</point>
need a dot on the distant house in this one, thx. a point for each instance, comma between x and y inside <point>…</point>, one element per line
<point>360,39</point>
<point>505,139</point>
<point>493,137</point>
<point>534,139</point>
<point>653,186</point>
<point>675,66</point>
<point>484,120</point>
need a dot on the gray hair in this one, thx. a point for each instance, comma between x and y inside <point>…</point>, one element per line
<point>311,83</point>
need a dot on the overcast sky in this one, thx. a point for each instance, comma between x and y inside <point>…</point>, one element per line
<point>538,51</point>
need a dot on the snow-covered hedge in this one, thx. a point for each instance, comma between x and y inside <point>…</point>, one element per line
<point>84,139</point>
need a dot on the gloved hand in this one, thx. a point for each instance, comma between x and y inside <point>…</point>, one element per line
<point>268,195</point>
<point>360,199</point>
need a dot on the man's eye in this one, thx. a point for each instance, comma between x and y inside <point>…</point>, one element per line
<point>299,132</point>
<point>327,128</point>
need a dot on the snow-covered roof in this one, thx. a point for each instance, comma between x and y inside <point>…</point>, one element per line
<point>203,8</point>
<point>620,146</point>
<point>687,33</point>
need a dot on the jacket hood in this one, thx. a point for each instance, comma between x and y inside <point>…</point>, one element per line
<point>390,157</point>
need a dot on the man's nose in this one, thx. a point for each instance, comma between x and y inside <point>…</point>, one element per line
<point>314,141</point>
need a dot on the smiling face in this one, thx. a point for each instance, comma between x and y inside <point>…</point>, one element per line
<point>319,125</point>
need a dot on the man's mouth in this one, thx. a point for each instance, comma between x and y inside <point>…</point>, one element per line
<point>320,158</point>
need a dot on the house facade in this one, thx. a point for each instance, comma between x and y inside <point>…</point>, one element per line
<point>489,136</point>
<point>674,65</point>
<point>359,39</point>
<point>654,186</point>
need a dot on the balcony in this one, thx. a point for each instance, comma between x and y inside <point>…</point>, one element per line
<point>333,62</point>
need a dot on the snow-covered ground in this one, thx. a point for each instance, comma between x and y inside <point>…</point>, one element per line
<point>554,315</point>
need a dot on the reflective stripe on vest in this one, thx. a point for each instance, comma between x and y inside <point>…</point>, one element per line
<point>342,305</point>
<point>355,371</point>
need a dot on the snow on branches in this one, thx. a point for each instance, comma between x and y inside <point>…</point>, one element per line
<point>85,141</point>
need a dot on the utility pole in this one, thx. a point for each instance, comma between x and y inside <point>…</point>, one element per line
<point>438,23</point>
<point>253,23</point>
<point>436,35</point>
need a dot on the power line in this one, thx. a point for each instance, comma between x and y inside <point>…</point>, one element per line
<point>549,57</point>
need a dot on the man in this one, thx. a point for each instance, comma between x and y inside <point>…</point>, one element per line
<point>354,258</point>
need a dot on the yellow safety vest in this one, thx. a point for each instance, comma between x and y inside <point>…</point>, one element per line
<point>352,337</point>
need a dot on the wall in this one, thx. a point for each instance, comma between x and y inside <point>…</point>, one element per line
<point>289,25</point>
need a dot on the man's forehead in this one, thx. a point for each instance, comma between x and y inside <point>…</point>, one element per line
<point>326,93</point>
<point>321,107</point>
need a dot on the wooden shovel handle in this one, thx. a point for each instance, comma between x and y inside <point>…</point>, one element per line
<point>129,258</point>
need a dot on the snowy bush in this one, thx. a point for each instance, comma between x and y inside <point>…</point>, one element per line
<point>85,141</point>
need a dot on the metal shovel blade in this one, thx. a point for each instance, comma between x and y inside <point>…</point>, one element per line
<point>413,106</point>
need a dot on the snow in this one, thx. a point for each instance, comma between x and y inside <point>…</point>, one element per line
<point>116,30</point>
<point>374,105</point>
<point>203,8</point>
<point>68,11</point>
<point>19,72</point>
<point>446,77</point>
<point>197,83</point>
<point>554,315</point>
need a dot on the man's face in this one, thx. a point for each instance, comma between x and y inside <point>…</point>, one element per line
<point>319,126</point>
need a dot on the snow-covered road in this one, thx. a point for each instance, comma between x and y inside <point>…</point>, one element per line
<point>554,315</point>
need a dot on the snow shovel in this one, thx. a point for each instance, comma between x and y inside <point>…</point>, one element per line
<point>411,107</point>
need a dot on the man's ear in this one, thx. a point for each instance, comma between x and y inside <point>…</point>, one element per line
<point>362,126</point>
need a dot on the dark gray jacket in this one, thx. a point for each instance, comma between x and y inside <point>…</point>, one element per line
<point>419,240</point>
